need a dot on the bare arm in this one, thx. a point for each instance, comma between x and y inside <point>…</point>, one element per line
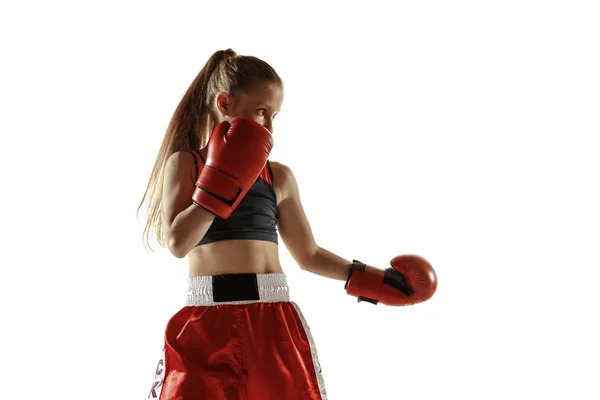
<point>410,280</point>
<point>296,232</point>
<point>185,224</point>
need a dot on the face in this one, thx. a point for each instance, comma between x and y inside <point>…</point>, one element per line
<point>260,104</point>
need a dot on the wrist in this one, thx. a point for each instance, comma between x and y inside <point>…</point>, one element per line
<point>356,265</point>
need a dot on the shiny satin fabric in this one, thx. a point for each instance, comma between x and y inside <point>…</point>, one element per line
<point>255,351</point>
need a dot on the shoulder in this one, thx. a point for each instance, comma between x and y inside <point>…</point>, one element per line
<point>283,179</point>
<point>280,170</point>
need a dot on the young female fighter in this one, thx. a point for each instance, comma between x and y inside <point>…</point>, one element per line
<point>215,197</point>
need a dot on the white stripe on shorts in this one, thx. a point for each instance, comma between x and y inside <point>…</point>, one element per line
<point>271,288</point>
<point>313,352</point>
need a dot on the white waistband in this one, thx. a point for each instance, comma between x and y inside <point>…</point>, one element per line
<point>271,288</point>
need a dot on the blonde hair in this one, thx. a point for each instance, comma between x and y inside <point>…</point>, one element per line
<point>195,118</point>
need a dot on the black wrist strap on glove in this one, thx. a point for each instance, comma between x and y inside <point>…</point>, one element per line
<point>356,265</point>
<point>391,277</point>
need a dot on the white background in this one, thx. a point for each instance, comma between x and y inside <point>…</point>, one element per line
<point>464,131</point>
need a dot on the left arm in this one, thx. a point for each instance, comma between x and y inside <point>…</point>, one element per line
<point>296,232</point>
<point>410,280</point>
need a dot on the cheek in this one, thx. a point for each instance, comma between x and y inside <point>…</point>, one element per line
<point>254,117</point>
<point>247,114</point>
<point>250,117</point>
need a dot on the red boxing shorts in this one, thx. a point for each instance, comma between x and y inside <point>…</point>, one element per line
<point>239,337</point>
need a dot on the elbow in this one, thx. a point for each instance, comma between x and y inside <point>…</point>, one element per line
<point>176,248</point>
<point>306,261</point>
<point>305,264</point>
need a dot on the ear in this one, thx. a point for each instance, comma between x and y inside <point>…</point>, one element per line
<point>223,103</point>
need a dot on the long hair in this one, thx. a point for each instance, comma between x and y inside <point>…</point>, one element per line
<point>196,117</point>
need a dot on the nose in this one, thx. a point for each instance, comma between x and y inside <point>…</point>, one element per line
<point>269,126</point>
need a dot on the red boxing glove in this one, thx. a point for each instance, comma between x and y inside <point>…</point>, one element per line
<point>236,155</point>
<point>411,280</point>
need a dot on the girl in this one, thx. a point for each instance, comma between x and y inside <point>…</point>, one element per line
<point>216,198</point>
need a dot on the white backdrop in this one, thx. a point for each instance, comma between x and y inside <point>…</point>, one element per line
<point>463,131</point>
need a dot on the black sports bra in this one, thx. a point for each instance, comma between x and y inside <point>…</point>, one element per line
<point>255,218</point>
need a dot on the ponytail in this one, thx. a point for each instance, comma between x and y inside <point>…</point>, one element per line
<point>195,118</point>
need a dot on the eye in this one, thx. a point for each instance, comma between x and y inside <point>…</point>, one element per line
<point>262,111</point>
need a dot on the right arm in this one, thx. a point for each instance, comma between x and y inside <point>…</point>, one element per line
<point>236,154</point>
<point>184,223</point>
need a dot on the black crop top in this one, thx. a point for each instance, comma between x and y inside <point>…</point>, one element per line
<point>255,218</point>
